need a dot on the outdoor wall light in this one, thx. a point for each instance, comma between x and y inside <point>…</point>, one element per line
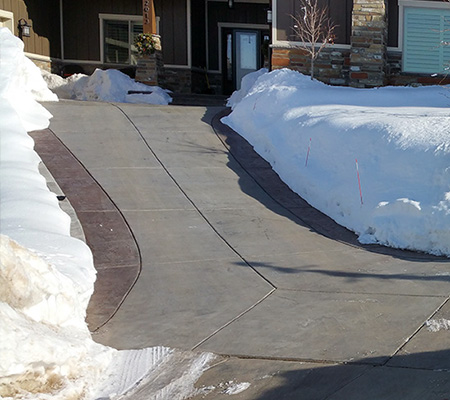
<point>24,28</point>
<point>230,3</point>
<point>269,16</point>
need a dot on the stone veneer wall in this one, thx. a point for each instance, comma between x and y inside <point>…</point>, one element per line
<point>332,66</point>
<point>178,80</point>
<point>186,80</point>
<point>363,64</point>
<point>368,43</point>
<point>150,69</point>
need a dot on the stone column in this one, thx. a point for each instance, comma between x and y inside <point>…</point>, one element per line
<point>150,68</point>
<point>368,43</point>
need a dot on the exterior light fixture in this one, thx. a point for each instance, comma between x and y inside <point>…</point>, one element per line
<point>269,16</point>
<point>24,28</point>
<point>230,3</point>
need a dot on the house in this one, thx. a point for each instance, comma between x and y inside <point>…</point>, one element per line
<point>209,45</point>
<point>199,38</point>
<point>378,42</point>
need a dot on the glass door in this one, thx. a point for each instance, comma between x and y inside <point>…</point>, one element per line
<point>247,54</point>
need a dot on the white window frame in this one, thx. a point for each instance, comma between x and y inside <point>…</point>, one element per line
<point>232,25</point>
<point>115,17</point>
<point>403,4</point>
<point>221,25</point>
<point>418,4</point>
<point>7,20</point>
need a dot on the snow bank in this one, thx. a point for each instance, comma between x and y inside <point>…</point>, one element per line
<point>47,277</point>
<point>110,85</point>
<point>397,136</point>
<point>246,84</point>
<point>46,349</point>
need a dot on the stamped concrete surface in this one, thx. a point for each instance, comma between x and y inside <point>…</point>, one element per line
<point>233,262</point>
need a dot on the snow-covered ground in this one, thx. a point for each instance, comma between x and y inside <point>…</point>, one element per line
<point>377,161</point>
<point>46,276</point>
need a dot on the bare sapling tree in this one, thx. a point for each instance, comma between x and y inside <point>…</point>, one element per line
<point>313,28</point>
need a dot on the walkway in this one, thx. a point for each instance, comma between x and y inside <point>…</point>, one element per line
<point>227,259</point>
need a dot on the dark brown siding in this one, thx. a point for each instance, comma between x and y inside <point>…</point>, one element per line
<point>173,30</point>
<point>285,8</point>
<point>340,12</point>
<point>198,24</point>
<point>393,23</point>
<point>43,16</point>
<point>82,25</point>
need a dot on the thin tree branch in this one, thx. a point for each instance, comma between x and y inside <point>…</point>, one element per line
<point>314,29</point>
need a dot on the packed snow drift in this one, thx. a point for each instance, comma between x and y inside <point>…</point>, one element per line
<point>47,277</point>
<point>110,85</point>
<point>377,161</point>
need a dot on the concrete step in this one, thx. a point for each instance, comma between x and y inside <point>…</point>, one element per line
<point>181,99</point>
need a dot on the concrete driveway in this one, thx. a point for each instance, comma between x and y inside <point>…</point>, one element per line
<point>201,247</point>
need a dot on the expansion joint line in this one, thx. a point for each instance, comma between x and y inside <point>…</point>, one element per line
<point>233,320</point>
<point>190,200</point>
<point>447,300</point>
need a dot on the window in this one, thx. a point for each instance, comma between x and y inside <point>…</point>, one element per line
<point>7,20</point>
<point>118,33</point>
<point>426,35</point>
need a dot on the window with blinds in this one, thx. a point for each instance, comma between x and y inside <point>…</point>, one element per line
<point>118,41</point>
<point>426,40</point>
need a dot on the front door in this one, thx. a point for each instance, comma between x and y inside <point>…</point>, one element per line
<point>242,54</point>
<point>247,54</point>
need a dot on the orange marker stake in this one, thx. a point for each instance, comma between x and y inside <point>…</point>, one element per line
<point>359,182</point>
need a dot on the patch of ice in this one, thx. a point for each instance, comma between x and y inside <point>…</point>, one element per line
<point>236,388</point>
<point>435,325</point>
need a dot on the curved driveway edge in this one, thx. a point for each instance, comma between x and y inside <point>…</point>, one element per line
<point>116,255</point>
<point>236,264</point>
<point>261,171</point>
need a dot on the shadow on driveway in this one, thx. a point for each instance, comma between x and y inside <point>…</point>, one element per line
<point>292,205</point>
<point>421,376</point>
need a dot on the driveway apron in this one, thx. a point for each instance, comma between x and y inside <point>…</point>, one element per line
<point>234,263</point>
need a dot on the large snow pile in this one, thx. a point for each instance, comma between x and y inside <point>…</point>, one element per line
<point>47,277</point>
<point>46,280</point>
<point>377,161</point>
<point>110,85</point>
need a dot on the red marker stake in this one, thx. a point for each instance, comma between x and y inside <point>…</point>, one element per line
<point>359,182</point>
<point>307,154</point>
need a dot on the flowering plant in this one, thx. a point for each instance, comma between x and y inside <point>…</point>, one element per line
<point>145,44</point>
